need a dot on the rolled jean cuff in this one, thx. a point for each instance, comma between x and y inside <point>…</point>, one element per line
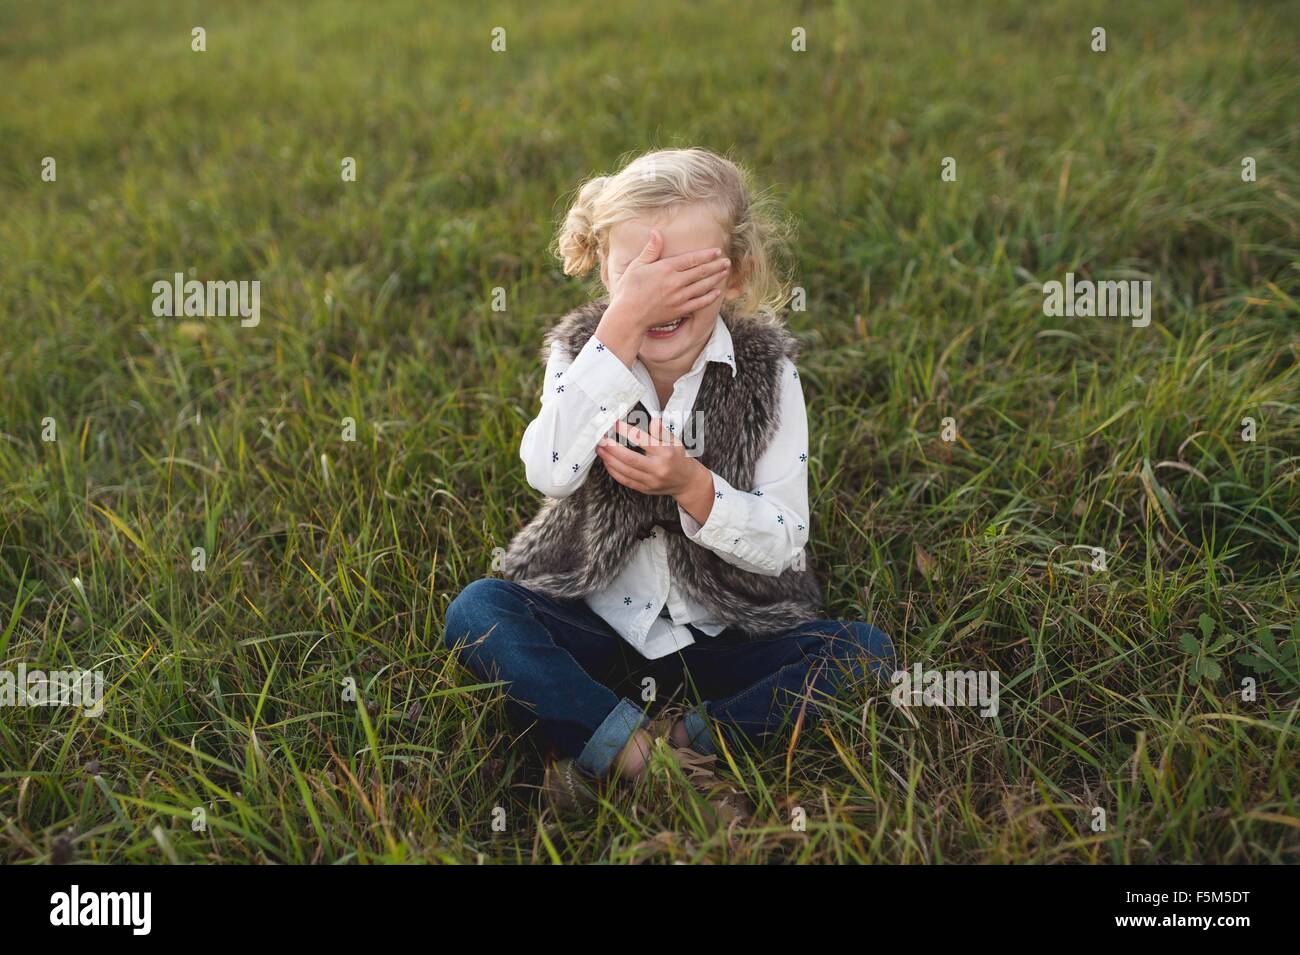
<point>697,728</point>
<point>610,738</point>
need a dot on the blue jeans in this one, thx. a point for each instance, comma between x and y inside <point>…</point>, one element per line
<point>567,668</point>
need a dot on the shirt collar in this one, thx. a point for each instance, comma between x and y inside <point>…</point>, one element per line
<point>718,348</point>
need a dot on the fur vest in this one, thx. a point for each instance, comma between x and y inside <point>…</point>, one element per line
<point>576,545</point>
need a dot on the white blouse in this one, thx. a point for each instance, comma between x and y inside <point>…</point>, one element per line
<point>761,529</point>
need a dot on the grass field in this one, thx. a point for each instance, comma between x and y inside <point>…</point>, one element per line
<point>329,560</point>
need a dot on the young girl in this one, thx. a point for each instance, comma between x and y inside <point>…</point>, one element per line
<point>672,448</point>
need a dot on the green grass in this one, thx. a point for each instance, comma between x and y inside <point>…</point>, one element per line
<point>330,560</point>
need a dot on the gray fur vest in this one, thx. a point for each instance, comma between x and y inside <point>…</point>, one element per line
<point>576,545</point>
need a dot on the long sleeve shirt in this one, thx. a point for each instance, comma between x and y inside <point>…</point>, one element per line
<point>761,529</point>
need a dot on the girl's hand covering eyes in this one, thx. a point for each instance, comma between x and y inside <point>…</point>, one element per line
<point>654,291</point>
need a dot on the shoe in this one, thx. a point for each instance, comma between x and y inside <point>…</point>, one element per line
<point>662,726</point>
<point>567,789</point>
<point>726,802</point>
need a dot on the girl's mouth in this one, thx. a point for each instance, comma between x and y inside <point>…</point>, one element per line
<point>669,330</point>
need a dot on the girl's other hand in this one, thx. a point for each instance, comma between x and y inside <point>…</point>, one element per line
<point>664,468</point>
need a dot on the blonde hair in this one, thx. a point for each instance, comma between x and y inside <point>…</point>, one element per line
<point>665,180</point>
